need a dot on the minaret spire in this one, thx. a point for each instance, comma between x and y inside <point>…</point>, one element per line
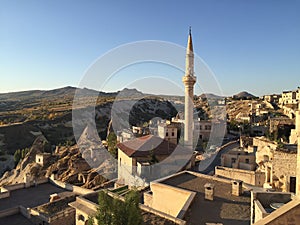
<point>189,61</point>
<point>190,42</point>
<point>189,81</point>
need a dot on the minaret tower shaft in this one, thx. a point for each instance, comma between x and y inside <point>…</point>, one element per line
<point>189,81</point>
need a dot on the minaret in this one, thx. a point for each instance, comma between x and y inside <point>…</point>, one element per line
<point>189,80</point>
<point>298,152</point>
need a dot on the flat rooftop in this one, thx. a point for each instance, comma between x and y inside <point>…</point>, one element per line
<point>225,208</point>
<point>15,220</point>
<point>59,205</point>
<point>30,197</point>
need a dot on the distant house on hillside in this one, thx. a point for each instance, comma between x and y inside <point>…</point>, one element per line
<point>290,97</point>
<point>274,98</point>
<point>243,117</point>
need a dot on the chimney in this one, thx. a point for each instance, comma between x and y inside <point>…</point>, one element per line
<point>237,187</point>
<point>209,191</point>
<point>27,180</point>
<point>54,197</point>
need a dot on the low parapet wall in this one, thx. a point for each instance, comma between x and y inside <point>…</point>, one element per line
<point>249,177</point>
<point>9,212</point>
<point>168,193</point>
<point>13,187</point>
<point>15,210</point>
<point>163,215</point>
<point>71,187</point>
<point>5,191</point>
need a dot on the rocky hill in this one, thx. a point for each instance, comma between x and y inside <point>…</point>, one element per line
<point>66,162</point>
<point>25,115</point>
<point>210,96</point>
<point>244,95</point>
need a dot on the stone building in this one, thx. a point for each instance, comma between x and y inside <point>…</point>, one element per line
<point>241,164</point>
<point>243,117</point>
<point>42,158</point>
<point>239,159</point>
<point>147,158</point>
<point>290,97</point>
<point>200,199</point>
<point>277,122</point>
<point>203,128</point>
<point>124,135</point>
<point>287,208</point>
<point>168,132</point>
<point>278,163</point>
<point>85,206</point>
<point>274,98</point>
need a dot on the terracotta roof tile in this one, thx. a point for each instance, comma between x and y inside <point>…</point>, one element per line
<point>146,145</point>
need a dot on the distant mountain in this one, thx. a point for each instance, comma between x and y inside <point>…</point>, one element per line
<point>210,96</point>
<point>244,95</point>
<point>34,95</point>
<point>126,92</point>
<point>37,94</point>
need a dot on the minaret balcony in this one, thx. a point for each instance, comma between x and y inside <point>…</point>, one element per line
<point>189,79</point>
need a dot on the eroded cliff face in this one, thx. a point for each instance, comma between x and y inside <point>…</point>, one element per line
<point>66,162</point>
<point>85,164</point>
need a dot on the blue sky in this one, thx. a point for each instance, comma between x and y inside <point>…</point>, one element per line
<point>249,45</point>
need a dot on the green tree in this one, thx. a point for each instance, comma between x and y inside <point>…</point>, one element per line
<point>17,156</point>
<point>105,209</point>
<point>112,211</point>
<point>112,144</point>
<point>133,211</point>
<point>24,152</point>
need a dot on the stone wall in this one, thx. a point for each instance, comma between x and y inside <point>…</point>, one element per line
<point>9,212</point>
<point>163,215</point>
<point>287,214</point>
<point>70,187</point>
<point>260,212</point>
<point>260,201</point>
<point>84,208</point>
<point>264,148</point>
<point>5,191</point>
<point>13,187</point>
<point>283,167</point>
<point>66,217</point>
<point>249,177</point>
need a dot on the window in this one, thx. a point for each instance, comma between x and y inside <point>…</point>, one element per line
<point>173,134</point>
<point>247,161</point>
<point>167,134</point>
<point>207,127</point>
<point>120,162</point>
<point>81,217</point>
